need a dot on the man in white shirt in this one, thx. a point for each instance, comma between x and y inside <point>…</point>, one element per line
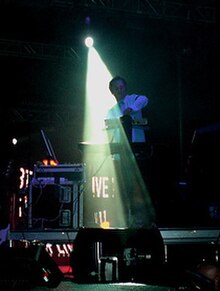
<point>128,110</point>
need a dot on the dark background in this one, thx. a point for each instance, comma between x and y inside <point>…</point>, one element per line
<point>172,60</point>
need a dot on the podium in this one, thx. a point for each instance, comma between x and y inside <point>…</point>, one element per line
<point>56,196</point>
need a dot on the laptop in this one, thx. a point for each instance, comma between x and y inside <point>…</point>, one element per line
<point>51,156</point>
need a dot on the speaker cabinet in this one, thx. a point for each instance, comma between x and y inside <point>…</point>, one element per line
<point>23,268</point>
<point>132,254</point>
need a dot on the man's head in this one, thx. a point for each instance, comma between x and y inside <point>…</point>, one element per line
<point>118,87</point>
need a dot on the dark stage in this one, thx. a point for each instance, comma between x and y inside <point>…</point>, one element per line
<point>165,259</point>
<point>166,50</point>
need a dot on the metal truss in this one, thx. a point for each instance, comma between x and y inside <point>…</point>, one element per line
<point>196,11</point>
<point>36,50</point>
<point>187,10</point>
<point>47,114</point>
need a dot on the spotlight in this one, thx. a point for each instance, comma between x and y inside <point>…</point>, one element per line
<point>14,141</point>
<point>89,41</point>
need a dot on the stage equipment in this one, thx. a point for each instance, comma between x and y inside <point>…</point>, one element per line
<point>101,255</point>
<point>55,196</point>
<point>112,148</point>
<point>24,268</point>
<point>60,172</point>
<point>51,156</point>
<point>202,176</point>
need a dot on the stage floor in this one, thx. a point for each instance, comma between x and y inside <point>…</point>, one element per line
<point>68,285</point>
<point>184,247</point>
<point>169,235</point>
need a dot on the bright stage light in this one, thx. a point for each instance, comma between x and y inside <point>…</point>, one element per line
<point>14,141</point>
<point>98,97</point>
<point>101,188</point>
<point>112,187</point>
<point>89,41</point>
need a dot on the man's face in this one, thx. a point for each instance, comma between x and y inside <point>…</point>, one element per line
<point>119,90</point>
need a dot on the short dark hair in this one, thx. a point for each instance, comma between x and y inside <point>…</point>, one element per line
<point>117,78</point>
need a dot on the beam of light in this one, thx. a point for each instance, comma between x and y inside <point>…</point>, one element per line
<point>98,97</point>
<point>102,194</point>
<point>112,186</point>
